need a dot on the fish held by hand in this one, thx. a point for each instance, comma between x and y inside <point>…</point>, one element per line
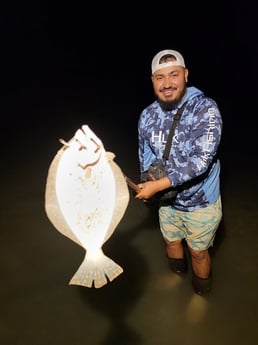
<point>86,197</point>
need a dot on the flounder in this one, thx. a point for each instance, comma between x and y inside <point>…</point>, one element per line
<point>86,197</point>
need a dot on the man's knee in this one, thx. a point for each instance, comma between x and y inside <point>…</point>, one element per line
<point>198,255</point>
<point>172,244</point>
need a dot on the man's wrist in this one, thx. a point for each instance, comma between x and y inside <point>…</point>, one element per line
<point>163,184</point>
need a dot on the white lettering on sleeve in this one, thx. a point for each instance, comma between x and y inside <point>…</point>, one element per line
<point>209,138</point>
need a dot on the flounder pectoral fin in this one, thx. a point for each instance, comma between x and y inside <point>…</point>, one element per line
<point>96,271</point>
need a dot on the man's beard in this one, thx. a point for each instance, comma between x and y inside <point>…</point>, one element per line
<point>170,105</point>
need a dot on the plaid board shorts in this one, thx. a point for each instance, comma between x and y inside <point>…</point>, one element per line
<point>198,227</point>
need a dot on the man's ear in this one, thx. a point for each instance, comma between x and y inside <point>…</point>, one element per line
<point>186,75</point>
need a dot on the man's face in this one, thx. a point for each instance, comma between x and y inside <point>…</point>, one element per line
<point>169,84</point>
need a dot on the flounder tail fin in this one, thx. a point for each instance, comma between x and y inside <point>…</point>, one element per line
<point>96,271</point>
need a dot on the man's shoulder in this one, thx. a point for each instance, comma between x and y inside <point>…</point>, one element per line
<point>196,96</point>
<point>202,101</point>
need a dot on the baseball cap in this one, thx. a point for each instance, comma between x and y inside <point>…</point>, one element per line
<point>156,65</point>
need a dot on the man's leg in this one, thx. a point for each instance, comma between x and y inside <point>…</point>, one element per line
<point>201,264</point>
<point>175,254</point>
<point>174,249</point>
<point>202,225</point>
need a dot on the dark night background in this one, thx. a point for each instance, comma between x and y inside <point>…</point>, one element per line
<point>68,64</point>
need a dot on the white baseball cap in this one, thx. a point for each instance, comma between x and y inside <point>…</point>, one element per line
<point>156,65</point>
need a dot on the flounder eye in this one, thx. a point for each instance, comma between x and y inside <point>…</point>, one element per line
<point>82,147</point>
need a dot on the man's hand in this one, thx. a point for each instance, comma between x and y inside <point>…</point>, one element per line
<point>150,188</point>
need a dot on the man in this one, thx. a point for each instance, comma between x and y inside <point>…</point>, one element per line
<point>192,167</point>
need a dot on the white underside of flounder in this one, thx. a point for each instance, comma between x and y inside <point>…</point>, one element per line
<point>86,197</point>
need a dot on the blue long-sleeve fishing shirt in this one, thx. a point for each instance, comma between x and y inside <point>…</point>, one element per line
<point>193,148</point>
